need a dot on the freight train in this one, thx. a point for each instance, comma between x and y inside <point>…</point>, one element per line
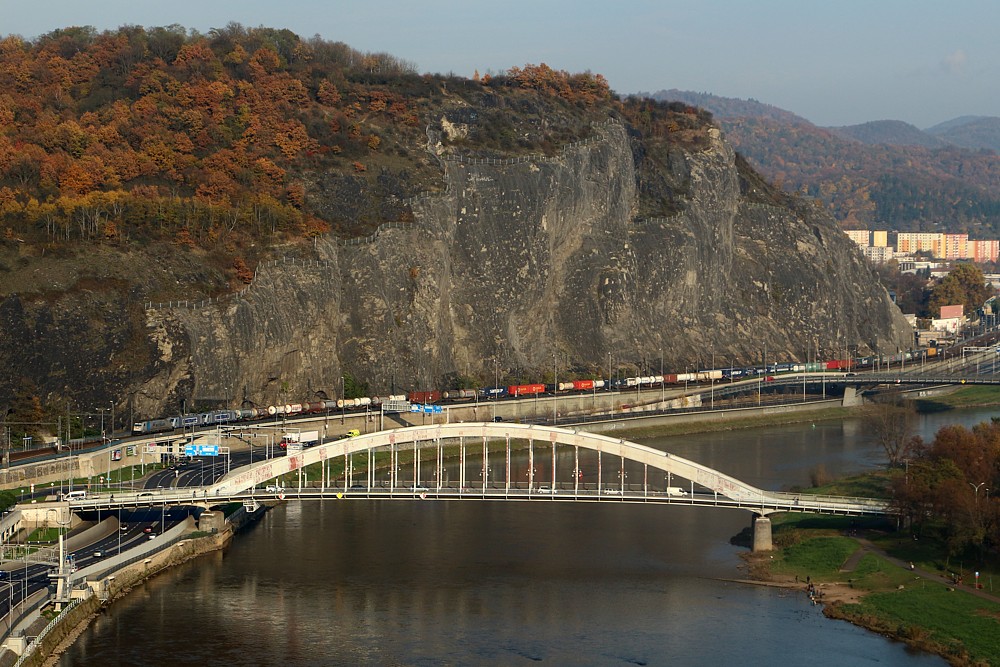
<point>514,391</point>
<point>215,417</point>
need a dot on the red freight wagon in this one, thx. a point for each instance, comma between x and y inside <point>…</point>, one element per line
<point>525,389</point>
<point>425,396</point>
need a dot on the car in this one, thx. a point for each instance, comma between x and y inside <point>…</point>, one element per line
<point>152,536</point>
<point>546,489</point>
<point>123,527</point>
<point>98,554</point>
<point>147,529</point>
<point>612,492</point>
<point>271,488</point>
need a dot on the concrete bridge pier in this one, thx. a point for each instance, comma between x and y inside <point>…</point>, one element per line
<point>762,534</point>
<point>852,398</point>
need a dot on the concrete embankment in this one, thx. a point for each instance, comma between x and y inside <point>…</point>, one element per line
<point>102,589</point>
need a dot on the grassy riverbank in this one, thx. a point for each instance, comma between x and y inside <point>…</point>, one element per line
<point>968,396</point>
<point>861,572</point>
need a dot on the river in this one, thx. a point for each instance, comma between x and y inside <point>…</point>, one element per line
<point>478,583</point>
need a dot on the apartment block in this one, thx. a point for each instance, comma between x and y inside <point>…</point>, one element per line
<point>859,236</point>
<point>956,246</point>
<point>911,242</point>
<point>984,251</point>
<point>879,254</point>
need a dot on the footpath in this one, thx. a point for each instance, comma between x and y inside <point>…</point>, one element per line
<point>866,546</point>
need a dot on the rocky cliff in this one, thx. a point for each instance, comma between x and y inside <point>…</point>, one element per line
<point>529,267</point>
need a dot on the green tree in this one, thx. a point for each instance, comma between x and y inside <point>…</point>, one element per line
<point>965,285</point>
<point>7,500</point>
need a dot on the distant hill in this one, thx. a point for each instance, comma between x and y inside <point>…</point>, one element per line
<point>883,175</point>
<point>973,132</point>
<point>891,132</point>
<point>727,107</point>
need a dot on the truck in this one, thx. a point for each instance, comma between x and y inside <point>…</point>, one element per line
<point>676,491</point>
<point>302,439</point>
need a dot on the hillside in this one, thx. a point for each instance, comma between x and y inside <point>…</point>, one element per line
<point>972,132</point>
<point>880,175</point>
<point>247,217</point>
<point>891,132</point>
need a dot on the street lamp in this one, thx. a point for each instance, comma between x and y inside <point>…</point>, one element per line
<point>496,383</point>
<point>555,387</point>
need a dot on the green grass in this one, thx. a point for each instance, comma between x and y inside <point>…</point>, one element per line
<point>964,397</point>
<point>930,614</point>
<point>44,535</point>
<point>817,557</point>
<point>897,602</point>
<point>868,485</point>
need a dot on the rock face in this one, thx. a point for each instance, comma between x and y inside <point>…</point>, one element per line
<point>533,267</point>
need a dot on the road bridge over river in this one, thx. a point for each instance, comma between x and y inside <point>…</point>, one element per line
<point>561,464</point>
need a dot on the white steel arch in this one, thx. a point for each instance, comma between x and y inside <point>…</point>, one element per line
<point>243,479</point>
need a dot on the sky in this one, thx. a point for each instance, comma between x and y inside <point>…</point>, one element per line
<point>834,63</point>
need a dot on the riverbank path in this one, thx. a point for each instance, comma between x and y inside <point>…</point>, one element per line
<point>866,546</point>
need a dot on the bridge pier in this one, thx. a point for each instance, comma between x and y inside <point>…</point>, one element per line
<point>762,534</point>
<point>851,398</point>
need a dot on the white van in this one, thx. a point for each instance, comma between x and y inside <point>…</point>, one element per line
<point>676,491</point>
<point>75,495</point>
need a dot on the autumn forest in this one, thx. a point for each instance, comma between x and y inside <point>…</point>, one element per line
<point>205,140</point>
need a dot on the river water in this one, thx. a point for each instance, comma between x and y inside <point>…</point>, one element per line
<point>479,583</point>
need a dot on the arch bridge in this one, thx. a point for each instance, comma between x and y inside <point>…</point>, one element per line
<point>424,446</point>
<point>416,463</point>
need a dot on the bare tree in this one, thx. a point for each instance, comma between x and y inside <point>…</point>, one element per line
<point>891,422</point>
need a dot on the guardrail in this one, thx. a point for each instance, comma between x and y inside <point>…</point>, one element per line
<point>37,600</point>
<point>48,628</point>
<point>133,555</point>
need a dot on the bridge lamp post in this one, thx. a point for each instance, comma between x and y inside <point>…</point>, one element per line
<point>496,383</point>
<point>662,383</point>
<point>712,379</point>
<point>555,389</point>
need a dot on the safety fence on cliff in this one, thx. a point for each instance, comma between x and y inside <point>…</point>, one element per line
<point>409,202</point>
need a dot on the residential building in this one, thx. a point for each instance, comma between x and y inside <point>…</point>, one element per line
<point>859,236</point>
<point>956,246</point>
<point>984,251</point>
<point>911,242</point>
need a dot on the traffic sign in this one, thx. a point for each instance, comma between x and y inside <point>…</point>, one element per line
<point>201,450</point>
<point>425,408</point>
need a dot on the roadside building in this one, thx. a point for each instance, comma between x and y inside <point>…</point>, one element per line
<point>951,320</point>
